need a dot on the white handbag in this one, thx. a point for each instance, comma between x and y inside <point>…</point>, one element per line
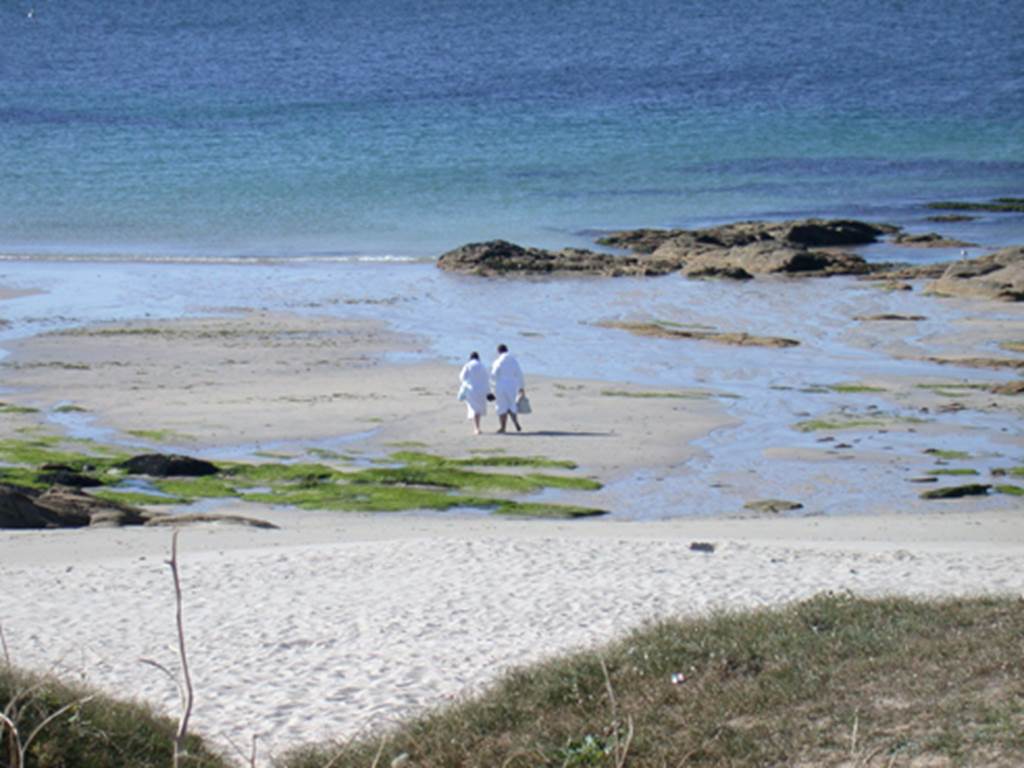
<point>523,405</point>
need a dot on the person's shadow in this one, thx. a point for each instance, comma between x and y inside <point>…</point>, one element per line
<point>556,433</point>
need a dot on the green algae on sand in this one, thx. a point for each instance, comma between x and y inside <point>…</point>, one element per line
<point>411,480</point>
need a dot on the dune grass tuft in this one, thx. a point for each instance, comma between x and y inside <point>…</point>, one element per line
<point>102,732</point>
<point>833,680</point>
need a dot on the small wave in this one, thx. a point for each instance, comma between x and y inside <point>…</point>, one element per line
<point>110,258</point>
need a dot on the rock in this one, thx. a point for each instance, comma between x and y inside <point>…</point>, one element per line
<point>19,510</point>
<point>773,506</point>
<point>889,317</point>
<point>771,247</point>
<point>1012,388</point>
<point>702,546</point>
<point>978,362</point>
<point>61,507</point>
<point>498,257</point>
<point>731,272</point>
<point>998,276</point>
<point>762,258</point>
<point>71,505</point>
<point>928,240</point>
<point>923,480</point>
<point>640,240</point>
<point>898,272</point>
<point>168,465</point>
<point>741,339</point>
<point>67,476</point>
<point>957,491</point>
<point>950,218</point>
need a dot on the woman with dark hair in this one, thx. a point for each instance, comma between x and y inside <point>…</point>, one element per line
<point>474,388</point>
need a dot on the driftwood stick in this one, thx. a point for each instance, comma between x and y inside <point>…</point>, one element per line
<point>189,695</point>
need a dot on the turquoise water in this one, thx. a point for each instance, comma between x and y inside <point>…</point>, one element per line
<point>335,129</point>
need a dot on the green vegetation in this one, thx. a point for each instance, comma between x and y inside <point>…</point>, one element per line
<point>47,449</point>
<point>886,422</point>
<point>953,471</point>
<point>952,389</point>
<point>158,435</point>
<point>6,408</point>
<point>1010,490</point>
<point>957,491</point>
<point>70,409</point>
<point>694,395</point>
<point>1013,346</point>
<point>833,680</point>
<point>96,732</point>
<point>942,454</point>
<point>854,388</point>
<point>999,205</point>
<point>815,425</point>
<point>409,481</point>
<point>136,498</point>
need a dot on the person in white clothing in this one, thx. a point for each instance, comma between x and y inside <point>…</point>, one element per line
<point>507,378</point>
<point>473,389</point>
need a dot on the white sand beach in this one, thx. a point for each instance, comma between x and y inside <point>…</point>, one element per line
<point>335,623</point>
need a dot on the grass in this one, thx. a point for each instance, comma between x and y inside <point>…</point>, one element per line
<point>953,471</point>
<point>100,733</point>
<point>1013,346</point>
<point>833,680</point>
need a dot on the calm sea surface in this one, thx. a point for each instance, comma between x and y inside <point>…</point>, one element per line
<point>319,129</point>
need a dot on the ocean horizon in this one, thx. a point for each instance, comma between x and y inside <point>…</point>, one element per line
<point>403,129</point>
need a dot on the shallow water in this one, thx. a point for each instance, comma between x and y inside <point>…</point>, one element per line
<point>552,324</point>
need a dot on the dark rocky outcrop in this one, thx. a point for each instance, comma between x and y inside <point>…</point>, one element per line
<point>998,276</point>
<point>57,474</point>
<point>168,465</point>
<point>61,507</point>
<point>499,257</point>
<point>928,240</point>
<point>807,233</point>
<point>763,258</point>
<point>737,251</point>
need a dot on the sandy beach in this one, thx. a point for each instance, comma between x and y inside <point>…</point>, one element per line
<point>336,622</point>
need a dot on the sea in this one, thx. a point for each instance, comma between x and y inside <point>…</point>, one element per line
<point>398,129</point>
<point>181,158</point>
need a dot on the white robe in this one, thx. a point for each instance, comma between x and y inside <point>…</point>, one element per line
<point>473,378</point>
<point>508,380</point>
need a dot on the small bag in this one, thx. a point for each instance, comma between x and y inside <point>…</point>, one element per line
<point>523,405</point>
